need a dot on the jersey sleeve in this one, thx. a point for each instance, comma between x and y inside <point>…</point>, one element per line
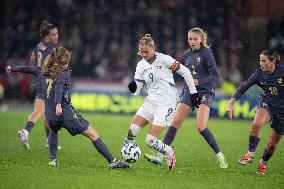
<point>26,69</point>
<point>170,63</point>
<point>138,76</point>
<point>246,85</point>
<point>139,79</point>
<point>174,65</point>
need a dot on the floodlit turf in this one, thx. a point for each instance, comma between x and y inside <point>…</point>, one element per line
<point>82,167</point>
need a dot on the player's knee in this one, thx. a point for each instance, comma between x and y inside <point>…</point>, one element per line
<point>150,140</point>
<point>257,125</point>
<point>200,127</point>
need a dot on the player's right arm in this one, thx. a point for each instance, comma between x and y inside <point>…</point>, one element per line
<point>23,69</point>
<point>240,91</point>
<point>136,85</point>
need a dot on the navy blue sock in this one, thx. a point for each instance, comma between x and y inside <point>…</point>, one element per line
<point>53,145</point>
<point>253,142</point>
<point>102,149</point>
<point>47,131</point>
<point>170,136</point>
<point>208,136</point>
<point>29,126</point>
<point>266,155</point>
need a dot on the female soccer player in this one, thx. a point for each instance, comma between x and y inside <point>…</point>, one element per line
<point>49,39</point>
<point>59,112</point>
<point>155,69</point>
<point>200,60</point>
<point>270,78</point>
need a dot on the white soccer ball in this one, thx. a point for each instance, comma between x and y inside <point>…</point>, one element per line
<point>130,153</point>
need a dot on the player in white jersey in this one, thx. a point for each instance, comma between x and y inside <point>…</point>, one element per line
<point>156,70</point>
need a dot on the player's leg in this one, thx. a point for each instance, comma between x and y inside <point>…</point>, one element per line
<point>140,120</point>
<point>32,119</point>
<point>152,141</point>
<point>55,126</point>
<point>261,117</point>
<point>273,140</point>
<point>81,126</point>
<point>93,135</point>
<point>163,116</point>
<point>179,116</point>
<point>201,122</point>
<point>47,131</point>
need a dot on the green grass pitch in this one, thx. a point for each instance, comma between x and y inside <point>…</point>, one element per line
<point>81,166</point>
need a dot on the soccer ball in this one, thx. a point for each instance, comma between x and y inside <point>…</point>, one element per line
<point>130,153</point>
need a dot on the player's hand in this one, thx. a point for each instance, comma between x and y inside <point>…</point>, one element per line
<point>195,99</point>
<point>132,86</point>
<point>8,69</point>
<point>229,111</point>
<point>58,111</point>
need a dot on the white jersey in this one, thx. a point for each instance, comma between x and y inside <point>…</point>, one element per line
<point>158,77</point>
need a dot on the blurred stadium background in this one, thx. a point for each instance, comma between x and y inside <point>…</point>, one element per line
<point>103,36</point>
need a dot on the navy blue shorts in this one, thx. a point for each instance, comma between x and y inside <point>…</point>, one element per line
<point>75,126</point>
<point>206,98</point>
<point>262,104</point>
<point>276,120</point>
<point>40,96</point>
<point>277,124</point>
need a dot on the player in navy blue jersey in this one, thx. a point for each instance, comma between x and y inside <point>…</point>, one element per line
<point>49,39</point>
<point>200,60</point>
<point>270,77</point>
<point>55,85</point>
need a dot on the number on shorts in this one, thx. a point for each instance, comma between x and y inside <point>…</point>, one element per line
<point>170,110</point>
<point>49,86</point>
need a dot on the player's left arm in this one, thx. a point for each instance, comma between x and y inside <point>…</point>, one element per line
<point>182,71</point>
<point>23,69</point>
<point>212,69</point>
<point>59,84</point>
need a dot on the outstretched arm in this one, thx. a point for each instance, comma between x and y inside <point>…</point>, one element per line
<point>186,74</point>
<point>23,69</point>
<point>240,91</point>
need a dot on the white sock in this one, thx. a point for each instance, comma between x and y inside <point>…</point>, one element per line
<point>133,131</point>
<point>153,142</point>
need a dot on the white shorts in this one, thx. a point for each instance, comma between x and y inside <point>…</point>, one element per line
<point>159,115</point>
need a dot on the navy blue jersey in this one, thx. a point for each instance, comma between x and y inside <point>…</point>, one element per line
<point>58,92</point>
<point>41,52</point>
<point>203,67</point>
<point>272,85</point>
